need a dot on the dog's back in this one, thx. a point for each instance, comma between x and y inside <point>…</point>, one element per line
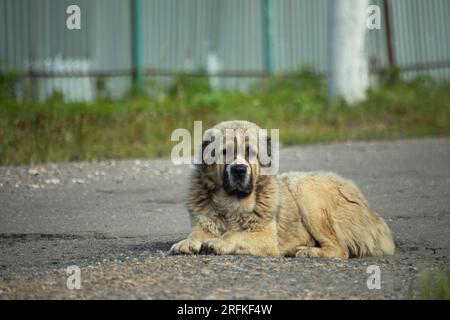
<point>337,215</point>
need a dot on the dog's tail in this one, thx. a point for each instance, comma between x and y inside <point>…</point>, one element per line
<point>359,228</point>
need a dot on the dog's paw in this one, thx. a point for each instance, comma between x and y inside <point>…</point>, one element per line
<point>217,246</point>
<point>305,252</point>
<point>313,252</point>
<point>187,246</point>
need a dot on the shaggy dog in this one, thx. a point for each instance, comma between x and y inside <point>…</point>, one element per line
<point>234,209</point>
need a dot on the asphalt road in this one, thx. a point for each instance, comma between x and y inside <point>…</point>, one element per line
<point>117,219</point>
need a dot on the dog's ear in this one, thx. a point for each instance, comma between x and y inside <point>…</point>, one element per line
<point>205,144</point>
<point>265,151</point>
<point>212,142</point>
<point>269,146</point>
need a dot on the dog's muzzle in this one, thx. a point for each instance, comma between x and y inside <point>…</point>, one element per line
<point>238,180</point>
<point>238,171</point>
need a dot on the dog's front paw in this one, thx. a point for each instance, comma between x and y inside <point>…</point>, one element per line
<point>216,246</point>
<point>187,246</point>
<point>306,252</point>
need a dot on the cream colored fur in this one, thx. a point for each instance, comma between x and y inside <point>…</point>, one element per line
<point>294,214</point>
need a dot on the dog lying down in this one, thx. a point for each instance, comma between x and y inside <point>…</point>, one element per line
<point>234,209</point>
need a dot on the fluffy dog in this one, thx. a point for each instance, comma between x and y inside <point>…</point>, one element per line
<point>236,210</point>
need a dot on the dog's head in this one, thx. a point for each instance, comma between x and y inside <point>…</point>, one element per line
<point>232,152</point>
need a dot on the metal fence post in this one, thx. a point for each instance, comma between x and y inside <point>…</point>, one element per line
<point>137,45</point>
<point>267,11</point>
<point>389,39</point>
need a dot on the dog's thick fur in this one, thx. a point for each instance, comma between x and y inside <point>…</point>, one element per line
<point>293,214</point>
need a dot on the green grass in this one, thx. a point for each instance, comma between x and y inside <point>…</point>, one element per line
<point>140,126</point>
<point>436,285</point>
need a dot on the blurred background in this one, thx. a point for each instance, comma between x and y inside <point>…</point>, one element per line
<point>138,69</point>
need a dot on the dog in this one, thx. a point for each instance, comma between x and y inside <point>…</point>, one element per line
<point>236,210</point>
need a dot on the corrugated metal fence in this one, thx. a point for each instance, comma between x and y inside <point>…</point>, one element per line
<point>239,40</point>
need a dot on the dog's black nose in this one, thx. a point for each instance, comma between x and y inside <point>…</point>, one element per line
<point>238,170</point>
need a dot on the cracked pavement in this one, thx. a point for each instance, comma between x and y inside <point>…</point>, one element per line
<point>117,219</point>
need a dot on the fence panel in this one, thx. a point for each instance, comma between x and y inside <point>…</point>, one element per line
<point>239,40</point>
